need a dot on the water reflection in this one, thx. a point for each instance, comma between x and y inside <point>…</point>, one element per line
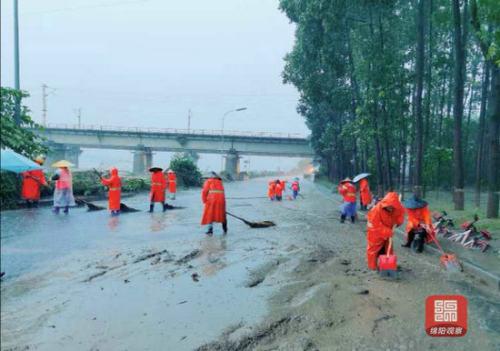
<point>113,223</point>
<point>158,222</point>
<point>213,250</point>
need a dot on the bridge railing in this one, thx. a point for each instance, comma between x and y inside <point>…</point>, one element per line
<point>94,127</point>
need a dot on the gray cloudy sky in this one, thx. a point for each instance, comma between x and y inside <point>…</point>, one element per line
<point>146,63</point>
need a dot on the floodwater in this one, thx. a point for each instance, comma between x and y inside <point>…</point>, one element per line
<point>49,302</point>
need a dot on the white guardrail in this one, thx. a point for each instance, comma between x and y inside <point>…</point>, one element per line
<point>94,127</point>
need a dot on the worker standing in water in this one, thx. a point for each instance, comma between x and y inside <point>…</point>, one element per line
<point>348,192</point>
<point>63,189</point>
<point>172,183</point>
<point>382,219</point>
<point>295,188</point>
<point>278,190</point>
<point>32,182</point>
<point>114,184</point>
<point>158,188</point>
<point>271,190</point>
<point>214,200</point>
<point>283,185</point>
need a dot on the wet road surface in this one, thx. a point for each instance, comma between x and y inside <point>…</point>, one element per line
<point>144,281</point>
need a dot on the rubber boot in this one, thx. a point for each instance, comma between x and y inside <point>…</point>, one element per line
<point>66,210</point>
<point>224,227</point>
<point>210,230</point>
<point>55,210</point>
<point>353,219</point>
<point>409,240</point>
<point>165,207</point>
<point>151,208</point>
<point>35,204</point>
<point>342,218</point>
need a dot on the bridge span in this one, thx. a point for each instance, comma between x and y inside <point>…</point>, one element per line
<point>66,142</point>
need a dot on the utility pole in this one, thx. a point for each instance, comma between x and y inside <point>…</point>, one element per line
<point>79,116</point>
<point>17,86</point>
<point>189,120</point>
<point>44,103</point>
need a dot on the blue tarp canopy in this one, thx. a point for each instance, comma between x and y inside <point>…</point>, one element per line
<point>14,162</point>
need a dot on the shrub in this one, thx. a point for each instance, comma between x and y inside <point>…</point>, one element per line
<point>187,172</point>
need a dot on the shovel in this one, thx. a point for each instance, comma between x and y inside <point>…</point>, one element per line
<point>263,224</point>
<point>388,263</point>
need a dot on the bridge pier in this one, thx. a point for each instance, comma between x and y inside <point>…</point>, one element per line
<point>143,160</point>
<point>63,152</point>
<point>232,167</point>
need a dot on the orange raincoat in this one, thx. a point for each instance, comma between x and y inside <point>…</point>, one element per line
<point>271,190</point>
<point>283,185</point>
<point>32,181</point>
<point>348,191</point>
<point>278,189</point>
<point>158,187</point>
<point>172,182</point>
<point>114,184</point>
<point>364,192</point>
<point>380,226</point>
<point>212,196</point>
<point>419,216</point>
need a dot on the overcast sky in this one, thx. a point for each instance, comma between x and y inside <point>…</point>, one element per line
<point>146,63</point>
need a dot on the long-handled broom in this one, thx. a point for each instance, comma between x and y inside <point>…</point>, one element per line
<point>263,224</point>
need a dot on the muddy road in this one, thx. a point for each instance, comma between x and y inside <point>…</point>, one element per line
<point>155,282</point>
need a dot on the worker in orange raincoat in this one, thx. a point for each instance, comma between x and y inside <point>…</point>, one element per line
<point>158,188</point>
<point>348,192</point>
<point>283,185</point>
<point>295,188</point>
<point>32,182</point>
<point>172,183</point>
<point>212,196</point>
<point>271,190</point>
<point>365,193</point>
<point>114,184</point>
<point>419,217</point>
<point>278,190</point>
<point>381,221</point>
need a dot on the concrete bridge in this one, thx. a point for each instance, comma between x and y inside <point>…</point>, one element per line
<point>66,141</point>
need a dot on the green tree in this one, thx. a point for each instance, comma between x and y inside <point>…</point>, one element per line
<point>186,170</point>
<point>19,138</point>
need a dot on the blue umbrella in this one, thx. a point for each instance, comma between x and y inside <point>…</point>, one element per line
<point>14,162</point>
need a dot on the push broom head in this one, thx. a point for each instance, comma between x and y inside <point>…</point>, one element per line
<point>450,262</point>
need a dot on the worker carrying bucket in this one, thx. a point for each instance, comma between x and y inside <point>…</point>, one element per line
<point>382,219</point>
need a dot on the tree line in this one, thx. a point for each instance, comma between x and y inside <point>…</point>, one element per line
<point>408,90</point>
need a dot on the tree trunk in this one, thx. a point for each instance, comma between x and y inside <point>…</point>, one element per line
<point>419,123</point>
<point>458,108</point>
<point>480,134</point>
<point>493,140</point>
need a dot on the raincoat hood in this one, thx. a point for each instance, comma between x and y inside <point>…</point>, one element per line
<point>114,172</point>
<point>391,199</point>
